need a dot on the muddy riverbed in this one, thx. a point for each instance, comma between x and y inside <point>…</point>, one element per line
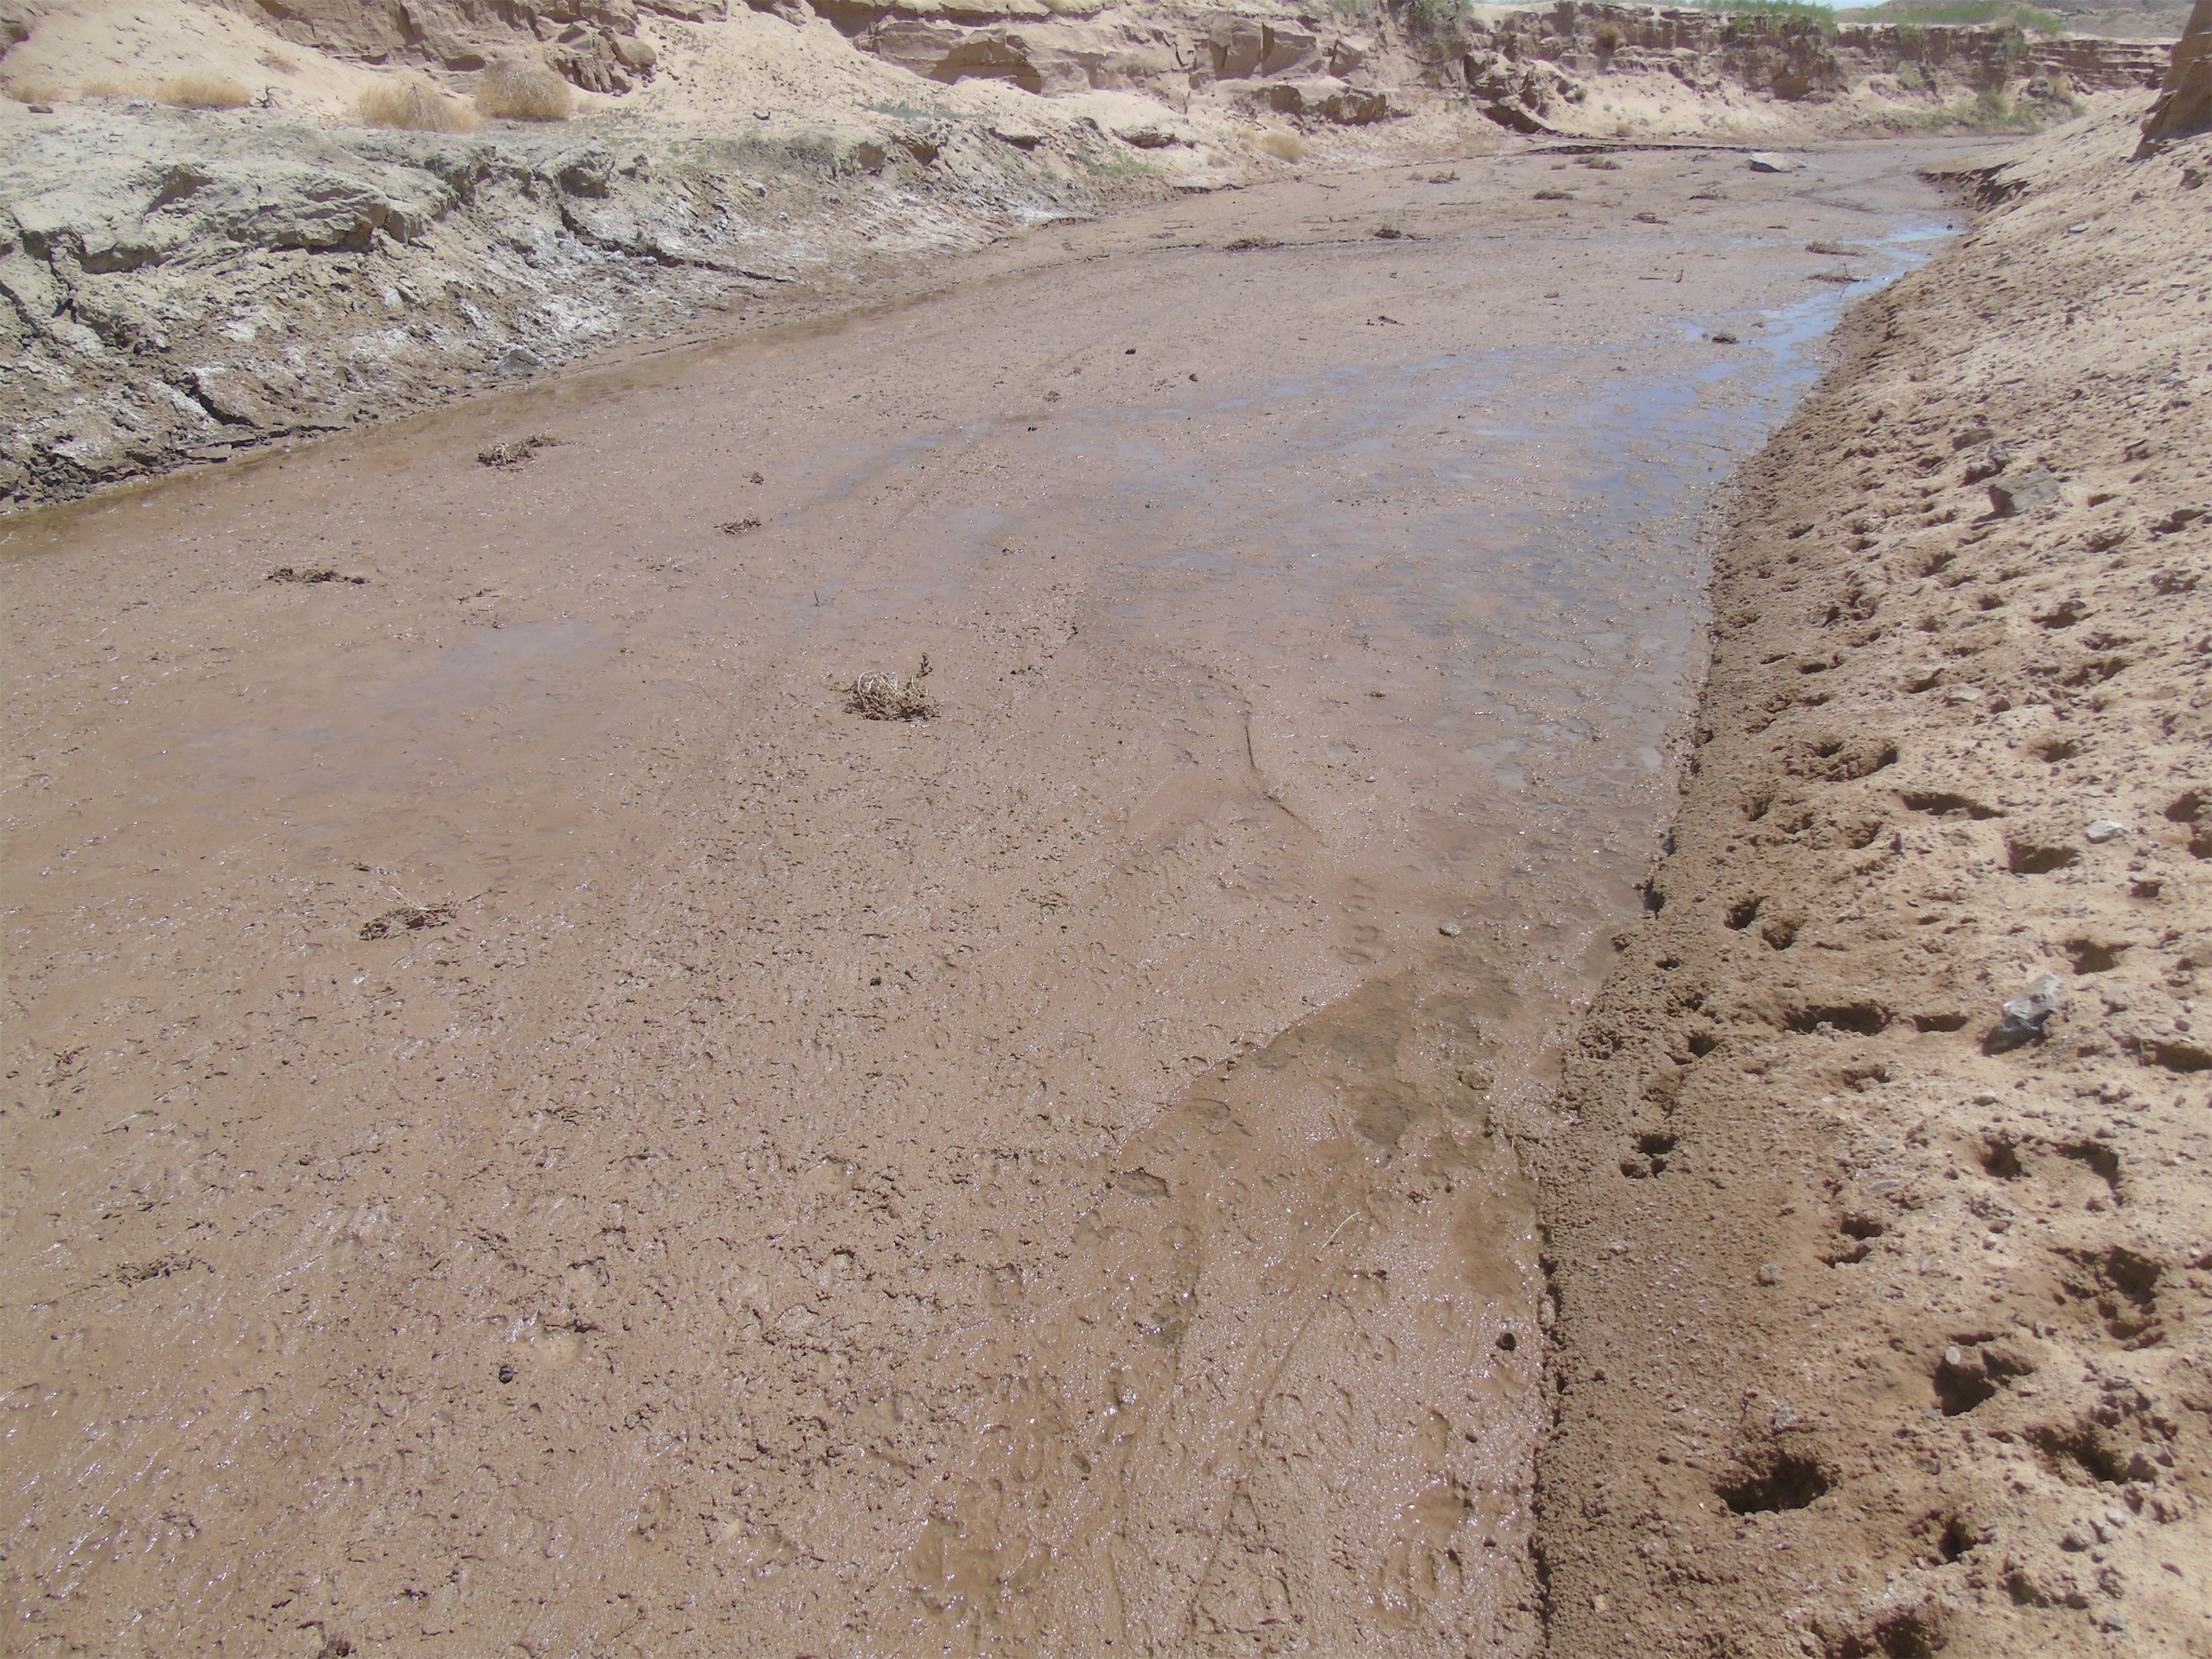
<point>531,1121</point>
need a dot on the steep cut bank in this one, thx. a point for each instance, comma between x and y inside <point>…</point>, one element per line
<point>1880,1246</point>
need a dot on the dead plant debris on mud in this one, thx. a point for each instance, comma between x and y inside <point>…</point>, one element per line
<point>286,572</point>
<point>887,697</point>
<point>738,526</point>
<point>1250,244</point>
<point>515,451</point>
<point>407,919</point>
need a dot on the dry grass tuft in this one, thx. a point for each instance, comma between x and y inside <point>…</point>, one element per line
<point>32,92</point>
<point>1249,244</point>
<point>198,90</point>
<point>413,104</point>
<point>193,90</point>
<point>1284,146</point>
<point>520,91</point>
<point>888,698</point>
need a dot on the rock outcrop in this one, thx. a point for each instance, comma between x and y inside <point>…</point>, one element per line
<point>2185,97</point>
<point>594,43</point>
<point>1527,66</point>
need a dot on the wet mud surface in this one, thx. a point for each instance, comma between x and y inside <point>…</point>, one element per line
<point>530,1123</point>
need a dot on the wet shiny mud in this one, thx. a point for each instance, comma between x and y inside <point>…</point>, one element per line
<point>1044,1180</point>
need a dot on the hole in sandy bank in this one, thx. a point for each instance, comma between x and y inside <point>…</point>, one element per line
<point>1961,1385</point>
<point>1958,1536</point>
<point>2081,1454</point>
<point>1866,1019</point>
<point>2194,809</point>
<point>2106,1163</point>
<point>1941,804</point>
<point>1910,1633</point>
<point>1776,1480</point>
<point>2094,955</point>
<point>2001,1158</point>
<point>2039,858</point>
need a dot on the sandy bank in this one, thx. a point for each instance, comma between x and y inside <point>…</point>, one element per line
<point>1880,1244</point>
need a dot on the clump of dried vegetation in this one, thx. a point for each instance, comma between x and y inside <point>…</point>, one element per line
<point>518,90</point>
<point>1283,145</point>
<point>407,919</point>
<point>888,698</point>
<point>515,451</point>
<point>412,103</point>
<point>191,89</point>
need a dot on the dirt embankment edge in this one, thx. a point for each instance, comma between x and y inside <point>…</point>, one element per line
<point>1879,1240</point>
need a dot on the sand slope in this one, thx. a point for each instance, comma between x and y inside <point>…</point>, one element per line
<point>1884,1312</point>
